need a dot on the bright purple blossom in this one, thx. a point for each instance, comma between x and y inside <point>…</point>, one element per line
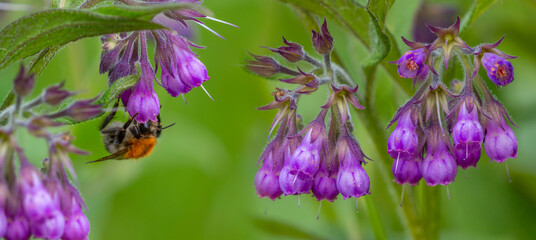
<point>305,160</point>
<point>37,202</point>
<point>468,135</point>
<point>404,139</point>
<point>407,171</point>
<point>76,223</point>
<point>412,63</point>
<point>50,227</point>
<point>3,221</point>
<point>439,166</point>
<point>267,178</point>
<point>325,184</point>
<point>143,100</point>
<point>181,69</point>
<point>352,180</point>
<point>18,227</point>
<point>500,71</point>
<point>500,143</point>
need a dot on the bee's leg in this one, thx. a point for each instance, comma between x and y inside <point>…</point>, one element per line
<point>110,116</point>
<point>136,131</point>
<point>121,134</point>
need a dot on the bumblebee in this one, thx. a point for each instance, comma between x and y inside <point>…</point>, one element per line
<point>129,140</point>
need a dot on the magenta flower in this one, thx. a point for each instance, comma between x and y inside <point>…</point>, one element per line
<point>439,166</point>
<point>267,178</point>
<point>407,171</point>
<point>412,63</point>
<point>352,180</point>
<point>500,71</point>
<point>500,143</point>
<point>403,141</point>
<point>468,136</point>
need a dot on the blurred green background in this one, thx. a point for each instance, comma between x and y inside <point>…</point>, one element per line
<point>198,183</point>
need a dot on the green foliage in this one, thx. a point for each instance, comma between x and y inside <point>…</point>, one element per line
<point>117,87</point>
<point>140,12</point>
<point>381,44</point>
<point>30,34</point>
<point>477,9</point>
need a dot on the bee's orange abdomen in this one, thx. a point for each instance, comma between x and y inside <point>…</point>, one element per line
<point>140,147</point>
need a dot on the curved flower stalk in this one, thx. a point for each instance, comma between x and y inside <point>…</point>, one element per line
<point>181,71</point>
<point>36,203</point>
<point>440,129</point>
<point>321,159</point>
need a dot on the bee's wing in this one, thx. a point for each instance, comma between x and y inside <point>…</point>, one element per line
<point>117,155</point>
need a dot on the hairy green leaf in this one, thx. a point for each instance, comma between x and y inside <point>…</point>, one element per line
<point>117,87</point>
<point>145,12</point>
<point>381,44</point>
<point>30,34</point>
<point>477,9</point>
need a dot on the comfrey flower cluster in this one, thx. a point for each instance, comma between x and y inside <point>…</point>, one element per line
<point>43,204</point>
<point>440,129</point>
<point>319,159</point>
<point>126,54</point>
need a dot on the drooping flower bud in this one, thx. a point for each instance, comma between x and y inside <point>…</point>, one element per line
<point>439,166</point>
<point>305,160</point>
<point>3,221</point>
<point>325,184</point>
<point>352,180</point>
<point>51,227</point>
<point>143,100</point>
<point>36,201</point>
<point>267,178</point>
<point>293,52</point>
<point>290,181</point>
<point>407,171</point>
<point>500,143</point>
<point>500,71</point>
<point>18,227</point>
<point>403,141</point>
<point>322,40</point>
<point>191,70</point>
<point>24,82</point>
<point>468,135</point>
<point>412,63</point>
<point>76,223</point>
<point>264,66</point>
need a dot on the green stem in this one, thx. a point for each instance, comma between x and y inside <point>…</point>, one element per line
<point>432,211</point>
<point>374,219</point>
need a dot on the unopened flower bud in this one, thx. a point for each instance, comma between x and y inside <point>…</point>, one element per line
<point>468,135</point>
<point>51,227</point>
<point>55,95</point>
<point>352,179</point>
<point>500,143</point>
<point>407,171</point>
<point>293,52</point>
<point>322,40</point>
<point>24,83</point>
<point>83,110</point>
<point>403,141</point>
<point>439,166</point>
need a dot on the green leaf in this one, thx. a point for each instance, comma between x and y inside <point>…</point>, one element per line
<point>30,34</point>
<point>117,87</point>
<point>477,9</point>
<point>146,12</point>
<point>347,13</point>
<point>381,44</point>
